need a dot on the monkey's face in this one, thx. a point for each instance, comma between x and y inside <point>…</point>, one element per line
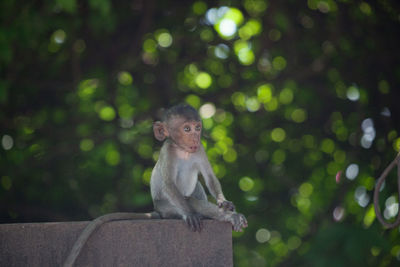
<point>186,134</point>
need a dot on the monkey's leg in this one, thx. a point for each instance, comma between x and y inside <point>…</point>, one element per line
<point>166,209</point>
<point>169,211</point>
<point>212,211</point>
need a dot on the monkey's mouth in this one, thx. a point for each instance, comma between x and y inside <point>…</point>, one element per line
<point>193,148</point>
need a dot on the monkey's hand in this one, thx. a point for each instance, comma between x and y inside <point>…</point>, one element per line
<point>226,205</point>
<point>238,222</point>
<point>193,220</point>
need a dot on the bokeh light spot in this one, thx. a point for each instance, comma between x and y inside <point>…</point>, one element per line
<point>145,150</point>
<point>299,115</point>
<point>235,15</point>
<point>396,144</point>
<point>203,80</point>
<point>352,171</point>
<point>107,113</point>
<point>7,142</point>
<point>59,36</point>
<point>384,87</point>
<point>149,46</point>
<point>369,216</point>
<point>86,144</point>
<point>278,157</point>
<point>294,242</point>
<point>239,99</point>
<point>264,93</point>
<point>147,176</point>
<point>338,213</point>
<point>6,182</point>
<point>125,78</point>
<point>227,28</point>
<point>227,20</point>
<point>255,7</point>
<point>263,235</point>
<point>328,146</point>
<point>391,207</point>
<point>279,63</point>
<point>246,183</point>
<point>207,110</point>
<point>126,111</point>
<point>272,105</point>
<point>79,46</point>
<point>199,7</point>
<point>221,51</point>
<point>230,155</point>
<point>365,8</point>
<point>353,93</point>
<point>246,56</point>
<point>306,189</point>
<point>207,35</point>
<point>278,134</point>
<point>251,28</point>
<point>112,157</point>
<point>286,96</point>
<point>212,16</point>
<point>244,52</point>
<point>87,88</point>
<point>274,35</point>
<point>252,104</point>
<point>164,39</point>
<point>361,196</point>
<point>193,100</point>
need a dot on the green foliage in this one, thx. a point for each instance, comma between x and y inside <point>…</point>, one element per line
<point>291,94</point>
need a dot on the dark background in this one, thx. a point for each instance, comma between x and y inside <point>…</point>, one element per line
<point>291,93</point>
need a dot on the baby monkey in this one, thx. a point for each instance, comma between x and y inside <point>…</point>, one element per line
<point>174,185</point>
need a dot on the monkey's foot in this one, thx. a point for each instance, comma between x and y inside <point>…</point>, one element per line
<point>194,222</point>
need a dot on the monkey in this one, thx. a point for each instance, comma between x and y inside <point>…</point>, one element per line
<point>174,185</point>
<point>175,189</point>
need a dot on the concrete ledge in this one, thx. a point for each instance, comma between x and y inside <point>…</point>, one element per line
<point>119,243</point>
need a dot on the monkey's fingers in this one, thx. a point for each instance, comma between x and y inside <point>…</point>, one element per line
<point>199,224</point>
<point>239,222</point>
<point>243,221</point>
<point>189,223</point>
<point>236,222</point>
<point>237,227</point>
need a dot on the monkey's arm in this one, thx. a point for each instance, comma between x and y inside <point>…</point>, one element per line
<point>212,182</point>
<point>210,210</point>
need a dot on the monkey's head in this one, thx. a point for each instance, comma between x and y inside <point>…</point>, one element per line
<point>182,125</point>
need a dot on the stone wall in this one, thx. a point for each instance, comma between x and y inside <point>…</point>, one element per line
<point>119,243</point>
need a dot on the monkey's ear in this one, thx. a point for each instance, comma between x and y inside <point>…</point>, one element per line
<point>160,131</point>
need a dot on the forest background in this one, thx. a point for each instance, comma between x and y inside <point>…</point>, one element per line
<point>299,100</point>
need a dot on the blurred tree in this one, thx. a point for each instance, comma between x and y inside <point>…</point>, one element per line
<point>291,93</point>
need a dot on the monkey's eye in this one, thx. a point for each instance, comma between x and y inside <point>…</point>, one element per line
<point>186,129</point>
<point>198,128</point>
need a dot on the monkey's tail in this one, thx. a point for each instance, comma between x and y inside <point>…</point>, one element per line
<point>93,225</point>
